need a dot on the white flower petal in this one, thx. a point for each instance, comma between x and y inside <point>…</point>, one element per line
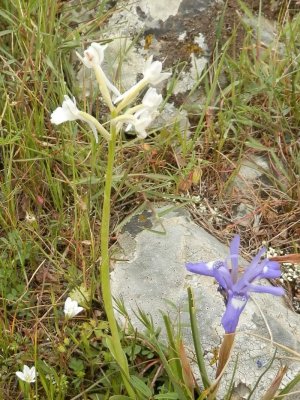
<point>20,375</point>
<point>67,112</point>
<point>61,115</point>
<point>112,87</point>
<point>152,72</point>
<point>94,130</point>
<point>28,375</point>
<point>160,78</point>
<point>93,55</point>
<point>152,99</point>
<point>71,308</point>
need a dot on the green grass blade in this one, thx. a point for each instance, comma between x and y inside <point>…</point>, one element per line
<point>197,340</point>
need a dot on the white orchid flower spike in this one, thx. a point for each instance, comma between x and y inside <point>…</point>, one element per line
<point>27,375</point>
<point>152,75</point>
<point>69,112</point>
<point>93,58</point>
<point>71,308</point>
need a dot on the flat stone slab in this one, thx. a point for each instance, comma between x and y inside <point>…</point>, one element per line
<point>153,275</point>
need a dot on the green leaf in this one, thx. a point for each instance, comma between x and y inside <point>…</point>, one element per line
<point>119,397</point>
<point>289,386</point>
<point>82,295</point>
<point>167,396</point>
<point>76,364</point>
<point>140,386</point>
<point>197,340</point>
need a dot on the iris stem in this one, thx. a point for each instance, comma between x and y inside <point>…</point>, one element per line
<point>225,352</point>
<point>224,357</point>
<point>105,264</point>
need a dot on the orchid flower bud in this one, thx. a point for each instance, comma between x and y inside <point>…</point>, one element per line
<point>93,55</point>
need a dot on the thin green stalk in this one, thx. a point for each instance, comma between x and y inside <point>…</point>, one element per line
<point>104,272</point>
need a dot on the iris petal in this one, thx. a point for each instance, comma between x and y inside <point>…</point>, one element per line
<point>222,275</point>
<point>252,272</point>
<point>234,256</point>
<point>276,291</point>
<point>234,308</point>
<point>201,268</point>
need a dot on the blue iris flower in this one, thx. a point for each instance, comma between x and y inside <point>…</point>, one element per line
<point>237,289</point>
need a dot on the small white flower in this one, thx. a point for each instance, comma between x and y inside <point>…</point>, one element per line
<point>30,217</point>
<point>71,308</point>
<point>28,375</point>
<point>152,72</point>
<point>69,112</point>
<point>147,113</point>
<point>93,58</point>
<point>141,121</point>
<point>152,99</point>
<point>93,55</point>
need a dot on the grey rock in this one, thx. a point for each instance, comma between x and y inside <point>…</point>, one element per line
<point>154,248</point>
<point>252,170</point>
<point>266,31</point>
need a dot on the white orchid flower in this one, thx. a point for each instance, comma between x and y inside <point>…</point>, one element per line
<point>27,375</point>
<point>141,116</point>
<point>152,72</point>
<point>69,112</point>
<point>141,123</point>
<point>93,58</point>
<point>152,75</point>
<point>71,308</point>
<point>152,99</point>
<point>93,55</point>
<point>145,112</point>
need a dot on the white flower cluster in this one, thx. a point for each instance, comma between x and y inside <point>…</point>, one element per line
<point>138,117</point>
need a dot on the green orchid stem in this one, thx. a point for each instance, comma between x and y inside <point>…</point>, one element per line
<point>104,272</point>
<point>93,121</point>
